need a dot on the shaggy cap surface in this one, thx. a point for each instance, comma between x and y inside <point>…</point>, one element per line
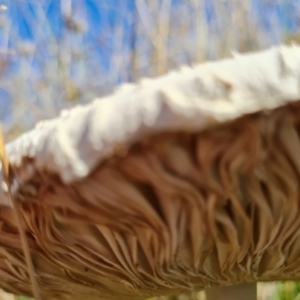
<point>171,185</point>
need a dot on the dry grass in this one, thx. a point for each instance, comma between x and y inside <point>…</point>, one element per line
<point>52,73</point>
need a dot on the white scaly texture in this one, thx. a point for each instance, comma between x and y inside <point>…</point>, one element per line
<point>188,99</point>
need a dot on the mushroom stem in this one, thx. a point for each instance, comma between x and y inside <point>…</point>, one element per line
<point>246,291</point>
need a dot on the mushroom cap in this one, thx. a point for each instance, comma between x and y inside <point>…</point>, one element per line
<point>186,181</point>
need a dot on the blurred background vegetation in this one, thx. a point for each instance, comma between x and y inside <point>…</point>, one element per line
<point>58,53</point>
<point>55,54</point>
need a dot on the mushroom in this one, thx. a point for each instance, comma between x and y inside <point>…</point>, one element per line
<point>175,184</point>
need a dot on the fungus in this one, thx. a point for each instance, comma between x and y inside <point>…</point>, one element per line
<point>175,184</point>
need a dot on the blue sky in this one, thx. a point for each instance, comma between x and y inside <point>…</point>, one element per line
<point>100,17</point>
<point>34,26</point>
